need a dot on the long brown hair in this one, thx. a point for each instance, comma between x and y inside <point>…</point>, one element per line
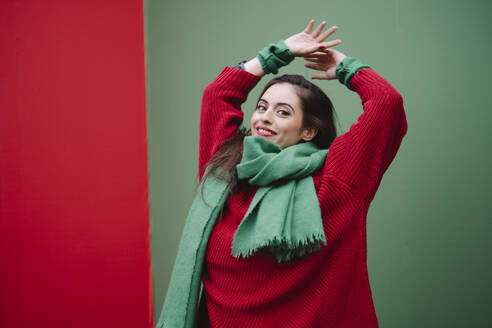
<point>318,112</point>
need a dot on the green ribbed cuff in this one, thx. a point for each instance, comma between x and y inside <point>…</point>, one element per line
<point>274,56</point>
<point>347,68</point>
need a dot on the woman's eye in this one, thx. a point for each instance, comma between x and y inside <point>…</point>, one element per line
<point>281,111</point>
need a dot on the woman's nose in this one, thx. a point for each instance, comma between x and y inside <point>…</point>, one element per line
<point>266,117</point>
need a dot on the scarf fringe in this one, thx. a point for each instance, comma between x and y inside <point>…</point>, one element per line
<point>284,249</point>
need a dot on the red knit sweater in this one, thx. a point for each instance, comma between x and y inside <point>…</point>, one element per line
<point>329,288</point>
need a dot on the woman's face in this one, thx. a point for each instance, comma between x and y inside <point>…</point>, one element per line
<point>279,112</point>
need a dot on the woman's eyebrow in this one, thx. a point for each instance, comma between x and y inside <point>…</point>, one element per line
<point>280,103</point>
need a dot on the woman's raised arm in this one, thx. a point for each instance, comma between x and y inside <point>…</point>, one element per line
<point>360,156</point>
<point>221,114</point>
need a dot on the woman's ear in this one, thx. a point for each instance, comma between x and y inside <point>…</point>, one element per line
<point>309,133</point>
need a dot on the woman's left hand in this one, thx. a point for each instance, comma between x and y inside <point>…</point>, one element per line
<point>304,44</point>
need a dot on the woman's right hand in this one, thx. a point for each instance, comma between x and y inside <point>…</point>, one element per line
<point>327,61</point>
<point>307,43</point>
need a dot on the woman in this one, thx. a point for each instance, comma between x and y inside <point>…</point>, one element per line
<point>277,235</point>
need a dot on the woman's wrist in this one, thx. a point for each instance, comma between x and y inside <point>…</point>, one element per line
<point>347,69</point>
<point>254,67</point>
<point>274,56</point>
<point>268,60</point>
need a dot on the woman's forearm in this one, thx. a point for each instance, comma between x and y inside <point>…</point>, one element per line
<point>254,67</point>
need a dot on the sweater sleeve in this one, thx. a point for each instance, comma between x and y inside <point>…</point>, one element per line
<point>360,156</point>
<point>220,114</point>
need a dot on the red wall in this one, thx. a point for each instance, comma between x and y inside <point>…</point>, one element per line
<point>74,207</point>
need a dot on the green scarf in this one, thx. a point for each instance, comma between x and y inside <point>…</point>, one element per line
<point>283,217</point>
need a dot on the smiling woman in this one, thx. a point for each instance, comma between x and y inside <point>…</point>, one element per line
<point>293,110</point>
<point>276,232</point>
<point>280,121</point>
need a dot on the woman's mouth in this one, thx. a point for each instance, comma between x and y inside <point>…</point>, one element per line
<point>265,132</point>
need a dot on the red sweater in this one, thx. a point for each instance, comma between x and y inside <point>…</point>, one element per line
<point>329,288</point>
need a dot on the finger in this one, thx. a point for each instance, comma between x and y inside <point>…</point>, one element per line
<point>315,58</point>
<point>327,33</point>
<point>317,54</point>
<point>314,66</point>
<point>320,76</point>
<point>317,47</point>
<point>318,29</point>
<point>312,59</point>
<point>309,26</point>
<point>331,43</point>
<point>320,50</point>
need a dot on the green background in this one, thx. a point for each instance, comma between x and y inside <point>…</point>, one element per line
<point>429,225</point>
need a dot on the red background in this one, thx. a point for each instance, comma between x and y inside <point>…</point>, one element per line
<point>74,207</point>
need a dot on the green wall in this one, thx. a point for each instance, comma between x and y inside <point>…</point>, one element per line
<point>429,225</point>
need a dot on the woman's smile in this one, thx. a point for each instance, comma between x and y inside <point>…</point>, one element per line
<point>262,131</point>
